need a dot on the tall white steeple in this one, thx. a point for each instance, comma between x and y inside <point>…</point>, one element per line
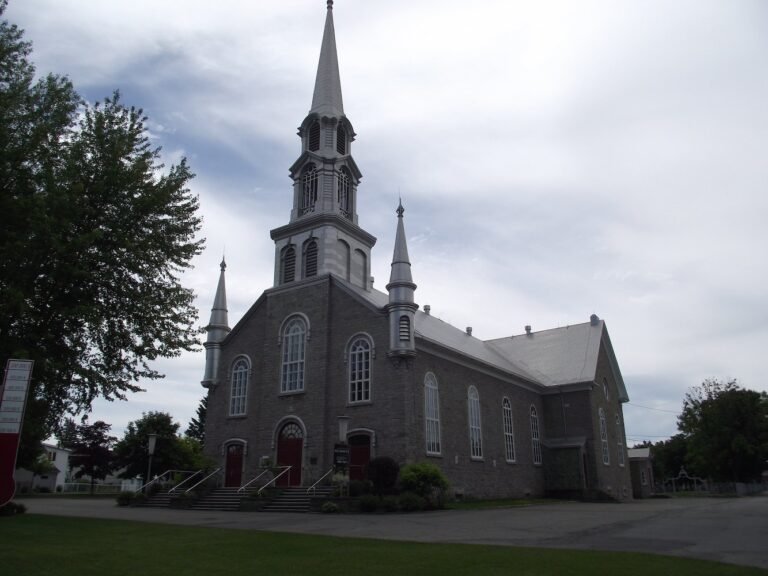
<point>217,329</point>
<point>322,236</point>
<point>401,307</point>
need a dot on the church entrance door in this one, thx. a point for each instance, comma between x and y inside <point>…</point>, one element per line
<point>359,456</point>
<point>233,468</point>
<point>290,444</point>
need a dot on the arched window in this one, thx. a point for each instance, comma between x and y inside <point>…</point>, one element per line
<point>294,346</point>
<point>619,442</point>
<point>341,139</point>
<point>509,434</point>
<point>475,429</point>
<point>308,189</point>
<point>343,193</point>
<point>535,436</point>
<point>238,387</point>
<point>432,414</point>
<point>310,258</point>
<point>604,438</point>
<point>314,136</point>
<point>288,265</point>
<point>405,328</point>
<point>360,370</point>
<point>606,391</point>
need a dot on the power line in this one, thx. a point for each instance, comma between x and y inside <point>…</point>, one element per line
<point>656,409</point>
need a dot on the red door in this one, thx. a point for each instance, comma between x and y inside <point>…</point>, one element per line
<point>359,456</point>
<point>290,445</point>
<point>233,469</point>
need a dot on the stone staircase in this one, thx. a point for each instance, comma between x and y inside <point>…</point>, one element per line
<point>220,499</point>
<point>296,499</point>
<point>158,500</point>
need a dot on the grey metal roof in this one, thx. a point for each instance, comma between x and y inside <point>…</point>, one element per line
<point>327,100</point>
<point>563,355</point>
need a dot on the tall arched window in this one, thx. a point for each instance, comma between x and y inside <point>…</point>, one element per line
<point>294,346</point>
<point>475,428</point>
<point>341,139</point>
<point>288,265</point>
<point>535,436</point>
<point>308,188</point>
<point>432,414</point>
<point>619,442</point>
<point>310,258</point>
<point>343,193</point>
<point>238,387</point>
<point>405,328</point>
<point>509,433</point>
<point>314,136</point>
<point>360,370</point>
<point>604,438</point>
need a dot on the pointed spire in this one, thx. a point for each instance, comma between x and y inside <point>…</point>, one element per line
<point>219,318</point>
<point>401,264</point>
<point>326,99</point>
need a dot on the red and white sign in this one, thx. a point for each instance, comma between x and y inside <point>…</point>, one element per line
<point>12,401</point>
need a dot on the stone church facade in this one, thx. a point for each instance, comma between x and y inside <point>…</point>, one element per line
<point>323,354</point>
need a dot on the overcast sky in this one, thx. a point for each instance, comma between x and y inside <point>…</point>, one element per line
<point>555,159</point>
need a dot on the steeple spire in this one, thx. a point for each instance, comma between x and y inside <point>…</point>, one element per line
<point>217,329</point>
<point>401,307</point>
<point>326,100</point>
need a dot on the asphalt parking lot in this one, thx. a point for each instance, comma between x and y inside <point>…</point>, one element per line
<point>733,530</point>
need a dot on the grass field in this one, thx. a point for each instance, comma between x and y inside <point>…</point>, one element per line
<point>35,545</point>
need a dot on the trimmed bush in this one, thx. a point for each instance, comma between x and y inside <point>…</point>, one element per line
<point>359,487</point>
<point>329,507</point>
<point>124,498</point>
<point>368,503</point>
<point>388,504</point>
<point>411,502</point>
<point>12,508</point>
<point>426,480</point>
<point>382,472</point>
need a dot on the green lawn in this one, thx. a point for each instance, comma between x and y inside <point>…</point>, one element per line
<point>35,545</point>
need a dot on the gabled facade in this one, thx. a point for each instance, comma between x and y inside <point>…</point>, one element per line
<point>323,354</point>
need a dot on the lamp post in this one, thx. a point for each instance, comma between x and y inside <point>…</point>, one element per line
<point>151,441</point>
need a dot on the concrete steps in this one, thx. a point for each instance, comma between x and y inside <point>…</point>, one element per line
<point>220,499</point>
<point>296,499</point>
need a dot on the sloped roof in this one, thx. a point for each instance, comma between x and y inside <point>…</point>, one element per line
<point>639,452</point>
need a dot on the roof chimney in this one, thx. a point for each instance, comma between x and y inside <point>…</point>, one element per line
<point>528,329</point>
<point>427,309</point>
<point>469,330</point>
<point>593,320</point>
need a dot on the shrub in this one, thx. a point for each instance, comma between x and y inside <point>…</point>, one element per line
<point>426,480</point>
<point>329,507</point>
<point>388,504</point>
<point>359,487</point>
<point>125,498</point>
<point>382,472</point>
<point>368,503</point>
<point>12,508</point>
<point>410,502</point>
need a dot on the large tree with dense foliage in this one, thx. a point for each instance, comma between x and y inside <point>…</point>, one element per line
<point>726,431</point>
<point>96,233</point>
<point>172,452</point>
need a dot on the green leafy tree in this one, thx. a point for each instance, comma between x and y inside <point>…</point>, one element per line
<point>91,446</point>
<point>171,451</point>
<point>726,430</point>
<point>95,236</point>
<point>196,428</point>
<point>669,456</point>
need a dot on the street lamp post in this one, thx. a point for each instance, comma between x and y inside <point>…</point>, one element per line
<point>152,440</point>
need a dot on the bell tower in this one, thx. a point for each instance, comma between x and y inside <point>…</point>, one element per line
<point>322,235</point>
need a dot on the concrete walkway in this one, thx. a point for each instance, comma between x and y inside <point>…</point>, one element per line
<point>733,530</point>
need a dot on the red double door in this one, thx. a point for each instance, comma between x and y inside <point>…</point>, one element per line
<point>290,452</point>
<point>233,468</point>
<point>359,456</point>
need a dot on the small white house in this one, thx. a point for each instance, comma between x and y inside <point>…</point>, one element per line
<point>53,480</point>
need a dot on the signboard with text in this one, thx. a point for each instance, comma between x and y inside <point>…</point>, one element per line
<point>13,397</point>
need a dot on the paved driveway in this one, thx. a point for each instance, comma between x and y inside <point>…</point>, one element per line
<point>731,530</point>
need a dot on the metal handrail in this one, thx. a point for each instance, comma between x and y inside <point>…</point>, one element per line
<point>159,478</point>
<point>203,480</point>
<point>313,488</point>
<point>285,469</point>
<point>187,479</point>
<point>244,486</point>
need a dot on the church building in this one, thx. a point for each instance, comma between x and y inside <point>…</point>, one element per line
<point>322,355</point>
